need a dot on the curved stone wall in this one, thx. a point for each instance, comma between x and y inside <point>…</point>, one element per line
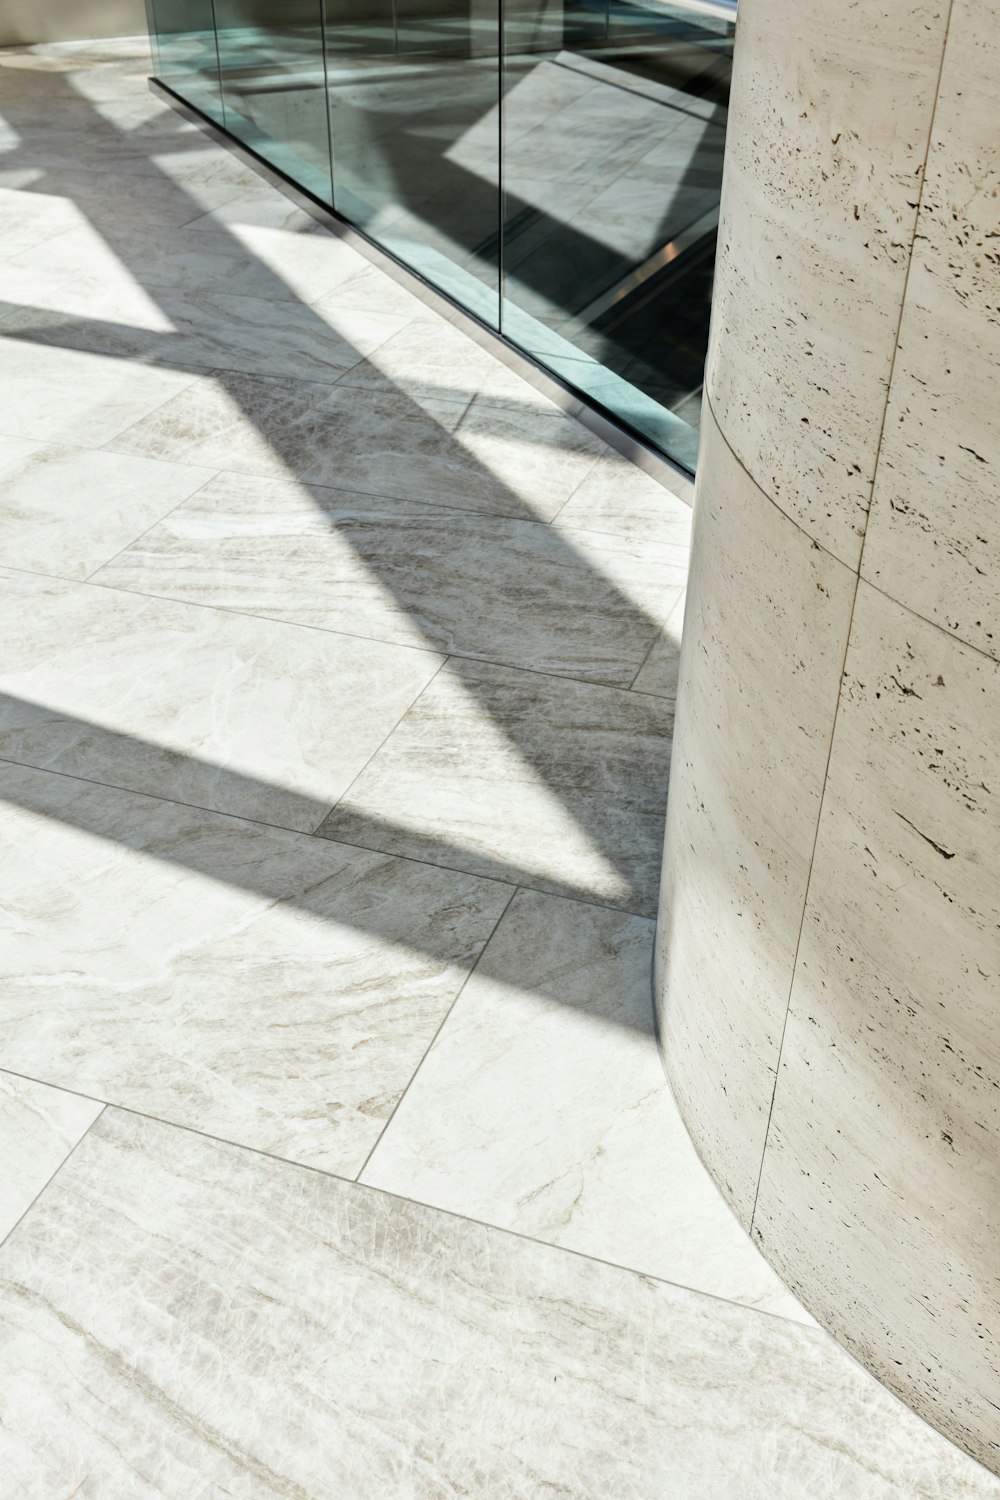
<point>828,975</point>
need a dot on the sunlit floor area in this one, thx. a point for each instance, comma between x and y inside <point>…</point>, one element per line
<point>336,698</point>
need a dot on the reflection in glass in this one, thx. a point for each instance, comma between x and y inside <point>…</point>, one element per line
<point>274,85</point>
<point>614,127</point>
<point>414,84</point>
<point>182,34</point>
<point>588,239</point>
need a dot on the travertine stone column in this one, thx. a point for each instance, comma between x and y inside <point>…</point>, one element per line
<point>828,976</point>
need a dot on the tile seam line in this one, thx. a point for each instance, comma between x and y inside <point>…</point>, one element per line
<point>645,659</point>
<point>372,1188</point>
<point>102,447</point>
<point>284,476</point>
<point>428,1049</point>
<point>382,743</point>
<point>222,609</point>
<point>952,635</point>
<point>503,666</point>
<point>183,289</point>
<point>52,1177</point>
<point>412,859</point>
<point>854,599</point>
<point>200,372</point>
<point>137,539</point>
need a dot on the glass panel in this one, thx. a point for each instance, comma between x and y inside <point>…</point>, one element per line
<point>614,132</point>
<point>598,221</point>
<point>183,37</point>
<point>414,89</point>
<point>274,85</point>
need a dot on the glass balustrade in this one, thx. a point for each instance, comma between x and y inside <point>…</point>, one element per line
<point>554,166</point>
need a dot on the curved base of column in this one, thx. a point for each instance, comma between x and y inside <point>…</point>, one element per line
<point>826,975</point>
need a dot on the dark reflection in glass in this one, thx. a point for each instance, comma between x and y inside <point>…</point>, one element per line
<point>614,128</point>
<point>182,33</point>
<point>274,85</point>
<point>589,239</point>
<point>413,88</point>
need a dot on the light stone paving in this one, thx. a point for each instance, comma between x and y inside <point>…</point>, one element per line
<point>335,581</point>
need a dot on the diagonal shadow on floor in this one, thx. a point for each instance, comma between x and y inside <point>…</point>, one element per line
<point>285,447</point>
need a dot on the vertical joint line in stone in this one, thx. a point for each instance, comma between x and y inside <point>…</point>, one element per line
<point>850,626</point>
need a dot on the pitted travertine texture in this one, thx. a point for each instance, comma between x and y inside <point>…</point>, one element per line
<point>828,132</point>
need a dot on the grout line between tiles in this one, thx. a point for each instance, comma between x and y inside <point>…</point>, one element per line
<point>382,743</point>
<point>48,1182</point>
<point>576,487</point>
<point>152,525</point>
<point>226,609</point>
<point>367,1187</point>
<point>645,659</point>
<point>566,893</point>
<point>444,1019</point>
<point>505,666</point>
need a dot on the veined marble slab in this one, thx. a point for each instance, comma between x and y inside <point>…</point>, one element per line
<point>235,714</point>
<point>67,510</point>
<point>39,1126</point>
<point>29,219</point>
<point>371,288</point>
<point>262,207</point>
<point>434,358</point>
<point>618,497</point>
<point>557,785</point>
<point>190,327</point>
<point>182,178</point>
<point>263,986</point>
<point>660,672</point>
<point>248,260</point>
<point>375,442</point>
<point>542,1107</point>
<point>518,592</point>
<point>178,1316</point>
<point>64,396</point>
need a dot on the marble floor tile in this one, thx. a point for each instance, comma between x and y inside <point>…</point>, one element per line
<point>541,457</point>
<point>178,1316</point>
<point>39,1126</point>
<point>262,207</point>
<point>618,497</point>
<point>307,264</point>
<point>374,442</point>
<point>67,510</point>
<point>210,177</point>
<point>516,592</point>
<point>371,289</point>
<point>241,260</point>
<point>29,219</point>
<point>556,785</point>
<point>434,358</point>
<point>589,1153</point>
<point>240,715</point>
<point>259,985</point>
<point>23,288</point>
<point>65,396</point>
<point>180,180</point>
<point>214,330</point>
<point>659,672</point>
